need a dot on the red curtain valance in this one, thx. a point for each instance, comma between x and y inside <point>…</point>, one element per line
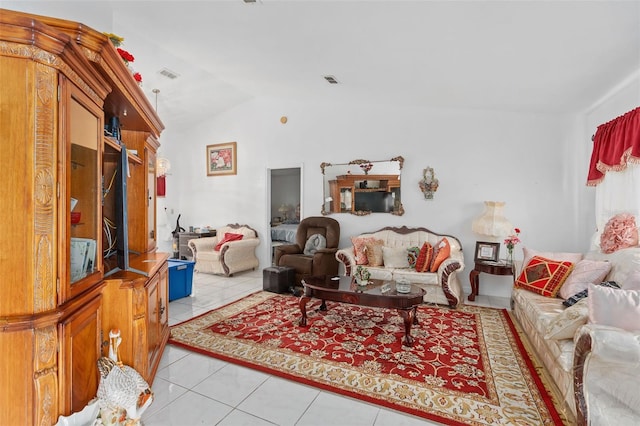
<point>615,144</point>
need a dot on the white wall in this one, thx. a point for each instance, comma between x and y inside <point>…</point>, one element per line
<point>526,160</point>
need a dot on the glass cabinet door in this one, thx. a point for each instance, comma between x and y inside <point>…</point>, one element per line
<point>83,131</point>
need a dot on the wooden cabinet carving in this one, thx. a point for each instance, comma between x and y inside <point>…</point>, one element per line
<point>60,81</point>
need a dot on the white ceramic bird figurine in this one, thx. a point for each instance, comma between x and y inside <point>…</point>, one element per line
<point>122,387</point>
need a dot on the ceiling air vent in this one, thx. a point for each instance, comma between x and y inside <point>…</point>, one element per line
<point>168,73</point>
<point>331,79</point>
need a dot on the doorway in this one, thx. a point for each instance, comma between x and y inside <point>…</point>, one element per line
<point>284,207</point>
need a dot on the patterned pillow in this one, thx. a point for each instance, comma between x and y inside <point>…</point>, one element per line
<point>544,276</point>
<point>619,232</point>
<point>565,325</point>
<point>584,273</point>
<point>373,250</point>
<point>412,256</point>
<point>359,244</point>
<point>424,258</point>
<point>584,293</point>
<point>443,251</point>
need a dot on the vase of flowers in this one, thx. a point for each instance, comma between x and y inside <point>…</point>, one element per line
<point>362,275</point>
<point>510,242</point>
<point>366,167</point>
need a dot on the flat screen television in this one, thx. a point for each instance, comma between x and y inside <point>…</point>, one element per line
<point>378,201</point>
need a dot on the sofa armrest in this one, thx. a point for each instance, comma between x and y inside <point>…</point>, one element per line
<point>605,353</point>
<point>347,257</point>
<point>233,252</point>
<point>448,279</point>
<point>202,244</point>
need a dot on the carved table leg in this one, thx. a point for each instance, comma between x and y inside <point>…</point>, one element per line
<point>323,306</point>
<point>303,309</point>
<point>474,280</point>
<point>409,317</point>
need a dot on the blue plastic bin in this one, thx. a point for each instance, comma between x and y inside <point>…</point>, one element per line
<point>180,278</point>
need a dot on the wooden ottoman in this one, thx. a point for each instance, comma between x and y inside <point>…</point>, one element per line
<point>278,279</point>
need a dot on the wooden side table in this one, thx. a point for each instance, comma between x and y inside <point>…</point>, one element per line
<point>492,268</point>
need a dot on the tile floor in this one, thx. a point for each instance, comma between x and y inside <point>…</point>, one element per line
<point>193,389</point>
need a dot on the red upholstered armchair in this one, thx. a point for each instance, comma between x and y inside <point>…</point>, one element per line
<point>318,237</point>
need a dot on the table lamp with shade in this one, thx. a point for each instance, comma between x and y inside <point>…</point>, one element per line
<point>493,226</point>
<point>284,209</point>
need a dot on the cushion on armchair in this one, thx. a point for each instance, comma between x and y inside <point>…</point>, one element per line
<point>314,243</point>
<point>228,236</point>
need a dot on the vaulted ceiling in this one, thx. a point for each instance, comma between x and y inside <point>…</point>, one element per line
<point>536,56</point>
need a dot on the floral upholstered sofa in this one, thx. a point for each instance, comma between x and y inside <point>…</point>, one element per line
<point>232,250</point>
<point>591,348</point>
<point>428,259</point>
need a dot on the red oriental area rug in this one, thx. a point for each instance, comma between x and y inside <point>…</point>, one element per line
<point>466,367</point>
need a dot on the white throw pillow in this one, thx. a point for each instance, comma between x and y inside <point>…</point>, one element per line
<point>584,273</point>
<point>565,325</point>
<point>614,307</point>
<point>559,256</point>
<point>395,257</point>
<point>632,282</point>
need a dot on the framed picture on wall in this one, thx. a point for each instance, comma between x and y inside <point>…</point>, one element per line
<point>487,252</point>
<point>222,159</point>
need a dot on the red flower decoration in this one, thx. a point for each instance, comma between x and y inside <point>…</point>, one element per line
<point>137,77</point>
<point>128,57</point>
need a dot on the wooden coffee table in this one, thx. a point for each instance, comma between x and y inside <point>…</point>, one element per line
<point>344,290</point>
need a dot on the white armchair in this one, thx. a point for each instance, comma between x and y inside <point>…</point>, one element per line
<point>232,256</point>
<point>606,370</point>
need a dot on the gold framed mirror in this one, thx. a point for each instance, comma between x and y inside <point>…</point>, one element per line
<point>362,187</point>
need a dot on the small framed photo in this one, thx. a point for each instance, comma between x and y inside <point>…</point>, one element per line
<point>487,252</point>
<point>222,159</point>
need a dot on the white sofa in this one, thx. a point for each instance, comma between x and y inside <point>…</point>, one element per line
<point>233,256</point>
<point>598,351</point>
<point>441,287</point>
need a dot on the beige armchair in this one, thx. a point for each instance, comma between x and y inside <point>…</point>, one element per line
<point>232,256</point>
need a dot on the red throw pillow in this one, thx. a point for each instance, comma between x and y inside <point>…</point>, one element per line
<point>442,254</point>
<point>544,276</point>
<point>424,258</point>
<point>228,236</point>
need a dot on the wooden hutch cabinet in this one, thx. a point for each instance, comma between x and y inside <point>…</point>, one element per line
<point>60,83</point>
